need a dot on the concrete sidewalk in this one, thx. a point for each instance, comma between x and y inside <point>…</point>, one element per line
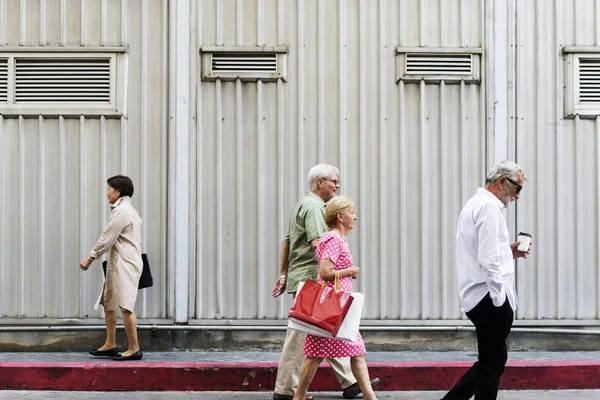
<point>256,371</point>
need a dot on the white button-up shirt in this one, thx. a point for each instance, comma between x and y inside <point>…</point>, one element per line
<point>484,259</point>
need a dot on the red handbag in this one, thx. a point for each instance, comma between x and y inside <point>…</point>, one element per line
<point>322,306</point>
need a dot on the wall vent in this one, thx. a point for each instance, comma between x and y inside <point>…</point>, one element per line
<point>434,65</point>
<point>3,80</point>
<point>245,63</point>
<point>62,80</point>
<point>582,82</point>
<point>589,80</point>
<point>439,64</point>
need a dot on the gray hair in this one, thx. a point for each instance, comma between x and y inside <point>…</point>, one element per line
<point>320,171</point>
<point>504,169</point>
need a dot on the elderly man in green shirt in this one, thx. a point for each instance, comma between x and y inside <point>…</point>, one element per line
<point>298,262</point>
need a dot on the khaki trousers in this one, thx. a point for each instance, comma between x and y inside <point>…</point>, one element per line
<point>291,360</point>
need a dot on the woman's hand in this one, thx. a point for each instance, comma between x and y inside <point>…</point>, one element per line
<point>85,264</point>
<point>353,271</point>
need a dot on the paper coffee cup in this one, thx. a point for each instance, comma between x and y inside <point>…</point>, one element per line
<point>525,241</point>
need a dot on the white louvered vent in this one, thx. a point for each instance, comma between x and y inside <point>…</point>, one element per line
<point>439,64</point>
<point>244,62</point>
<point>250,64</point>
<point>63,80</point>
<point>3,80</point>
<point>589,80</point>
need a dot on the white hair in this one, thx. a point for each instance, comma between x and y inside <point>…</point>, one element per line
<point>504,169</point>
<point>320,171</point>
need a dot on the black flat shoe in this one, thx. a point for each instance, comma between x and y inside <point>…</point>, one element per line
<point>104,353</point>
<point>134,357</point>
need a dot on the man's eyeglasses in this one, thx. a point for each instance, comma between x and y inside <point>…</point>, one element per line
<point>519,187</point>
<point>334,181</point>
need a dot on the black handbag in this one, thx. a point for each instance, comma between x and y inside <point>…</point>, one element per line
<point>146,278</point>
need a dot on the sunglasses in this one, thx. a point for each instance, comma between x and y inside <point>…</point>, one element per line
<point>519,187</point>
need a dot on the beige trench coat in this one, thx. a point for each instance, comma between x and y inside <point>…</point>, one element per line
<point>122,239</point>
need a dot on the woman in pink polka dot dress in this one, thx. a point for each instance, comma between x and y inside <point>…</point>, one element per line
<point>334,259</point>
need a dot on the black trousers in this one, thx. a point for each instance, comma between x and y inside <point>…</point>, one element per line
<point>492,326</point>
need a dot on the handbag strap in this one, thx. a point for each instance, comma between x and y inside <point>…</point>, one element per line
<point>336,285</point>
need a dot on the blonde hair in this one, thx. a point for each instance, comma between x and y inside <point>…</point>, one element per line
<point>335,206</point>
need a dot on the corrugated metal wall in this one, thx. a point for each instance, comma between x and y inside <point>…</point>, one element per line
<point>410,155</point>
<point>562,158</point>
<point>53,169</point>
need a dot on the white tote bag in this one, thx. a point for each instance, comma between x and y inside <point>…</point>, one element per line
<point>348,330</point>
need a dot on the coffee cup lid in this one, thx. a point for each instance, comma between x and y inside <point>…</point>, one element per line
<point>524,234</point>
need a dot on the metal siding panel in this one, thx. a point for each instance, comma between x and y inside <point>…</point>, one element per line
<point>559,280</point>
<point>53,223</point>
<point>374,147</point>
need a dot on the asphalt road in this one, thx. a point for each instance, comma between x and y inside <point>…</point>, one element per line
<point>505,395</point>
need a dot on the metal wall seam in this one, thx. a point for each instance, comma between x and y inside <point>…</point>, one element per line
<point>219,27</point>
<point>280,147</point>
<point>123,138</point>
<point>104,22</point>
<point>22,22</point>
<point>125,25</point>
<point>84,26</point>
<point>219,116</point>
<point>321,81</point>
<point>578,223</point>
<point>383,293</point>
<point>578,185</point>
<point>143,136</point>
<point>426,266</point>
<point>443,16</point>
<point>104,172</point>
<point>463,21</point>
<point>464,147</point>
<point>300,86</point>
<point>259,26</point>
<point>181,117</point>
<point>3,283</point>
<point>239,128</point>
<point>422,22</point>
<point>42,223</point>
<point>82,211</point>
<point>199,168</point>
<point>559,210</point>
<point>597,127</point>
<point>262,262</point>
<point>402,120</point>
<point>444,204</point>
<point>541,277</point>
<point>219,127</point>
<point>239,134</point>
<point>362,158</point>
<point>22,274</point>
<point>342,86</point>
<point>3,23</point>
<point>262,273</point>
<point>166,303</point>
<point>43,23</point>
<point>62,179</point>
<point>63,23</point>
<point>597,135</point>
<point>239,21</point>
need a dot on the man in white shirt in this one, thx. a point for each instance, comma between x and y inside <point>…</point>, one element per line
<point>486,278</point>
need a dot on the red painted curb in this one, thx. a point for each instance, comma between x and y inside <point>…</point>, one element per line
<point>260,376</point>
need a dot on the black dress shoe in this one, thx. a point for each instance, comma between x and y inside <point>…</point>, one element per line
<point>104,353</point>
<point>134,357</point>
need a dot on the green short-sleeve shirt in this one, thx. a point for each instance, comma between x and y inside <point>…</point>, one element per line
<point>307,223</point>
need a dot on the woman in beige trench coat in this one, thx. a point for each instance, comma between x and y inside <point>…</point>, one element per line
<point>122,239</point>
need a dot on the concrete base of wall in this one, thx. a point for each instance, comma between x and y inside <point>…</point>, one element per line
<point>273,340</point>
